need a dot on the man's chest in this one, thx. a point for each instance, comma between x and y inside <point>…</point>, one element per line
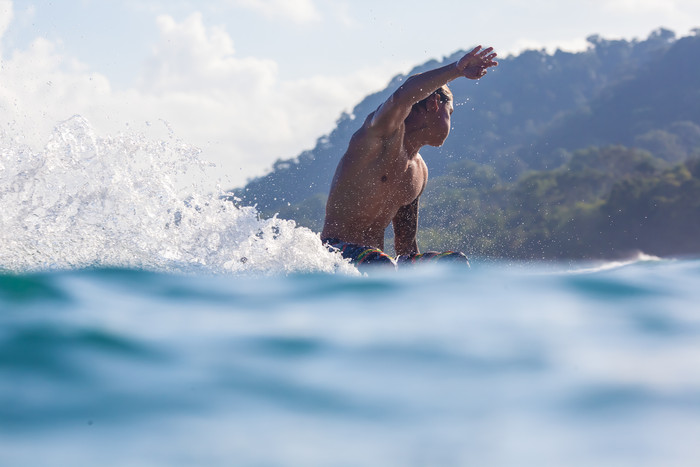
<point>403,180</point>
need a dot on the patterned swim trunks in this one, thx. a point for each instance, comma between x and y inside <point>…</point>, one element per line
<point>360,255</point>
<point>363,256</point>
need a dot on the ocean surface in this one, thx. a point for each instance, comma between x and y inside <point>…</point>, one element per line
<point>143,327</point>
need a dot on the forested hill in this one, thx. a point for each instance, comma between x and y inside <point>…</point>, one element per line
<point>564,155</point>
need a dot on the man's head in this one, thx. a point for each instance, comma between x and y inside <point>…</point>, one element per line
<point>432,115</point>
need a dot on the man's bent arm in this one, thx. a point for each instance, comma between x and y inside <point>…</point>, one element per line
<point>392,113</point>
<point>405,229</point>
<point>394,110</point>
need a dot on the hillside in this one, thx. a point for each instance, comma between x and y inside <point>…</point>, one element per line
<point>542,152</point>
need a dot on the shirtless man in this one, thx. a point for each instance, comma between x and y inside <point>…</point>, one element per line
<point>382,175</point>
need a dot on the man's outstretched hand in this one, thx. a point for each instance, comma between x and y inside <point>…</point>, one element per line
<point>475,64</point>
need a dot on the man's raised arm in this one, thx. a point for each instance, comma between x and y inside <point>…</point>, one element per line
<point>392,113</point>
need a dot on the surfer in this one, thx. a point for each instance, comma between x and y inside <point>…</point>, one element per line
<point>381,176</point>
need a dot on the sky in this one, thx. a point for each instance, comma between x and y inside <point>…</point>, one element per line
<point>253,81</point>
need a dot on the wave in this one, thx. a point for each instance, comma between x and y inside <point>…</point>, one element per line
<point>86,201</point>
<point>638,257</point>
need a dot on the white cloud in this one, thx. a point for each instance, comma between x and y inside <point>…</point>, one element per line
<point>6,14</point>
<point>237,109</point>
<point>661,12</point>
<point>342,12</point>
<point>640,6</point>
<point>189,58</point>
<point>571,45</point>
<point>300,11</point>
<point>39,87</point>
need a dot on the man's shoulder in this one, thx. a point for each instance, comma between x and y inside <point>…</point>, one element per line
<point>367,124</point>
<point>364,133</point>
<point>370,129</point>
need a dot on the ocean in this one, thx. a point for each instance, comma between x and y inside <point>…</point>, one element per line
<point>143,327</point>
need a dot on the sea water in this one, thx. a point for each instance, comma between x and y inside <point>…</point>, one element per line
<point>140,326</point>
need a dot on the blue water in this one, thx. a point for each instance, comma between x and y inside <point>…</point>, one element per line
<point>499,365</point>
<point>144,324</point>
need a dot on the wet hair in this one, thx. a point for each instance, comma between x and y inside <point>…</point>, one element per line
<point>444,93</point>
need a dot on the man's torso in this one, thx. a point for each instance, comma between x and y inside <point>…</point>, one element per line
<point>376,176</point>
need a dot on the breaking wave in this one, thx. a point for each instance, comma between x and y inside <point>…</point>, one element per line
<point>88,201</point>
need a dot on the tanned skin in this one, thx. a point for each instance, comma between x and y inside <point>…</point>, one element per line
<point>382,175</point>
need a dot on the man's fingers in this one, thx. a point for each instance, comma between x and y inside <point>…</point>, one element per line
<point>485,52</point>
<point>478,61</point>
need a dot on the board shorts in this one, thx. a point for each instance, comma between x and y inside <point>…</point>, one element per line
<point>362,256</point>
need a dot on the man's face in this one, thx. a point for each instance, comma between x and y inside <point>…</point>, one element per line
<point>443,122</point>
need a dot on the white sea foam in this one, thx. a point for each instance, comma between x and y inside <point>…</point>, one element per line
<point>85,201</point>
<point>639,257</point>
